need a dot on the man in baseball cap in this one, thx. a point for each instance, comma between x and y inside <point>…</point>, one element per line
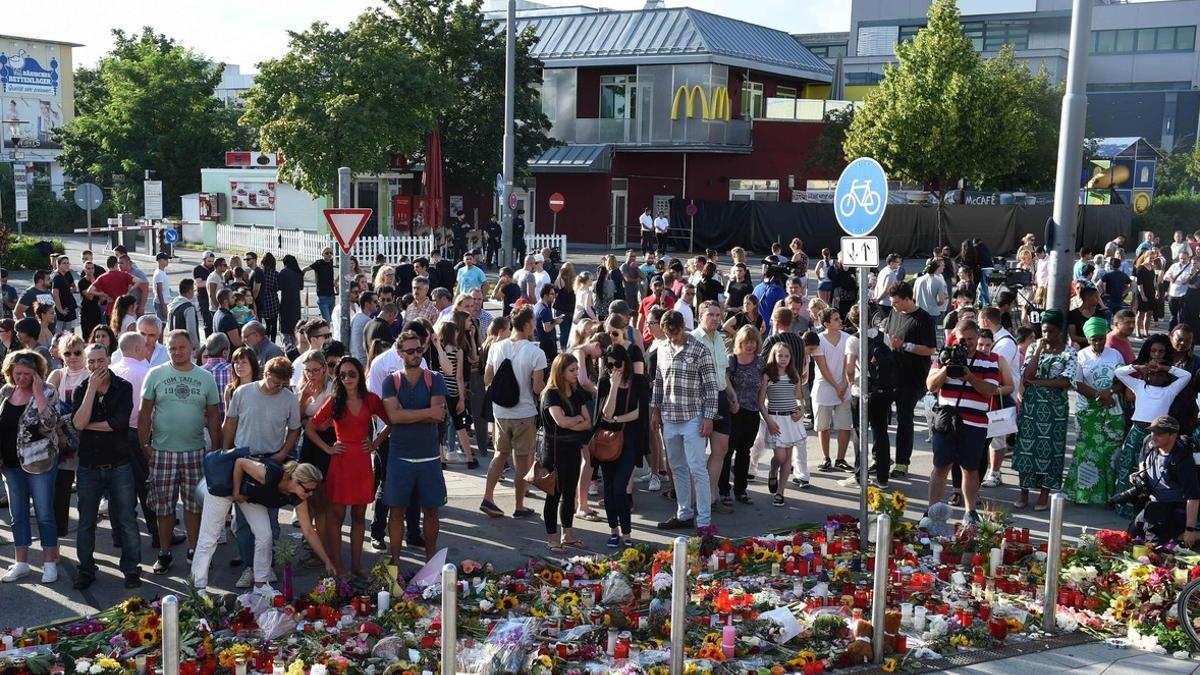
<point>1168,469</point>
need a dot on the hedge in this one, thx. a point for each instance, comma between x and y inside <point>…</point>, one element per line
<point>21,253</point>
<point>1167,214</point>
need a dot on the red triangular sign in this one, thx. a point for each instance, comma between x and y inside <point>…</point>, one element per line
<point>347,224</point>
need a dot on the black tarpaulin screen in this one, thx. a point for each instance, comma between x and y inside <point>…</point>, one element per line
<point>911,231</point>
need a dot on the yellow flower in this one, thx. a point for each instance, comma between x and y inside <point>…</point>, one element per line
<point>899,501</point>
<point>506,603</point>
<point>1139,573</point>
<point>712,638</point>
<point>568,600</point>
<point>108,664</point>
<point>889,666</point>
<point>546,661</point>
<point>296,667</point>
<point>536,613</point>
<point>546,575</point>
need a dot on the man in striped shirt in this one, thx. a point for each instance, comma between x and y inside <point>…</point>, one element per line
<point>969,389</point>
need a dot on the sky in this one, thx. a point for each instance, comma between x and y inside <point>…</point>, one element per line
<point>246,32</point>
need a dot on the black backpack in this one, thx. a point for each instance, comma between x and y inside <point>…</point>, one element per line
<point>881,367</point>
<point>178,318</point>
<point>505,390</point>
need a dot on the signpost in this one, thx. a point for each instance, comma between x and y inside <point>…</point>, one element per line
<point>346,224</point>
<point>557,203</point>
<point>89,196</point>
<point>692,210</point>
<point>154,199</point>
<point>20,196</point>
<point>512,200</point>
<point>859,202</point>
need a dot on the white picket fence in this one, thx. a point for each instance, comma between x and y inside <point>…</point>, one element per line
<point>307,245</point>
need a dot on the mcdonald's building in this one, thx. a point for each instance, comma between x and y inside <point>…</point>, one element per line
<point>665,103</point>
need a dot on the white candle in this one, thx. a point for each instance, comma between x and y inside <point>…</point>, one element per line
<point>918,622</point>
<point>996,559</point>
<point>937,552</point>
<point>317,669</point>
<point>383,602</point>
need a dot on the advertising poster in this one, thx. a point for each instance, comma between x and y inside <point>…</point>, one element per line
<point>33,106</point>
<point>259,195</point>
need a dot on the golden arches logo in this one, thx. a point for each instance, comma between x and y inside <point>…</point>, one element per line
<point>714,107</point>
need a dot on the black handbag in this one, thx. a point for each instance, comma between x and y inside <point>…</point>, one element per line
<point>946,419</point>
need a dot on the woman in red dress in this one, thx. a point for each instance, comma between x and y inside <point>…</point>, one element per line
<point>350,482</point>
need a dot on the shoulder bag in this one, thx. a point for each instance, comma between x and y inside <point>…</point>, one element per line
<point>1002,421</point>
<point>945,418</point>
<point>542,473</point>
<point>607,443</point>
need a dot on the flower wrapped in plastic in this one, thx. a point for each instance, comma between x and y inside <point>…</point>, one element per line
<point>503,651</point>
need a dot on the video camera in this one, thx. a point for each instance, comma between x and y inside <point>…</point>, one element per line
<point>778,268</point>
<point>954,359</point>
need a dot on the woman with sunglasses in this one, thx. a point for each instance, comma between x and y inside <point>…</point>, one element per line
<point>351,412</point>
<point>259,485</point>
<point>316,387</point>
<point>621,391</point>
<point>28,420</point>
<point>73,373</point>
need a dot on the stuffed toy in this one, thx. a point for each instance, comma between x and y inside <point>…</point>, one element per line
<point>936,520</point>
<point>891,628</point>
<point>860,649</point>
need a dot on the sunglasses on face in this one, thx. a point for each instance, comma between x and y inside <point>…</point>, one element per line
<point>410,352</point>
<point>612,364</point>
<point>348,375</point>
<point>77,352</point>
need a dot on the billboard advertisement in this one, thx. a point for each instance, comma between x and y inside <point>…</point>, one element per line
<point>32,97</point>
<point>252,195</point>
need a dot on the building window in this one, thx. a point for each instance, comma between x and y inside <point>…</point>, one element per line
<point>1128,40</point>
<point>618,97</point>
<point>753,190</point>
<point>864,78</point>
<point>785,92</point>
<point>907,33</point>
<point>829,51</point>
<point>753,103</point>
<point>1000,33</point>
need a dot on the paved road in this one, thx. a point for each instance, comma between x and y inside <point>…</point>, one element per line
<point>470,534</point>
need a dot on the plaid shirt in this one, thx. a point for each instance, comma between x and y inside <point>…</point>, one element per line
<point>685,383</point>
<point>220,370</point>
<point>427,311</point>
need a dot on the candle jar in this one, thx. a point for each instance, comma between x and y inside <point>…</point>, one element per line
<point>901,643</point>
<point>998,628</point>
<point>985,611</point>
<point>239,666</point>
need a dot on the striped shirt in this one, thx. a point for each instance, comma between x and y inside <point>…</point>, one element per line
<point>781,395</point>
<point>973,408</point>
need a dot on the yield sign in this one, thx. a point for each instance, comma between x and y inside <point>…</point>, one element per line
<point>347,224</point>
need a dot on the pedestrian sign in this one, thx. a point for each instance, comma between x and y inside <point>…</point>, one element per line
<point>860,197</point>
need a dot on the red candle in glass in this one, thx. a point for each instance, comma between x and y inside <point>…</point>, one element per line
<point>985,611</point>
<point>901,643</point>
<point>998,628</point>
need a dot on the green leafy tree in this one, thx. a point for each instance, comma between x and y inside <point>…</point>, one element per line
<point>943,113</point>
<point>343,98</point>
<point>148,105</point>
<point>468,53</point>
<point>828,152</point>
<point>1030,105</point>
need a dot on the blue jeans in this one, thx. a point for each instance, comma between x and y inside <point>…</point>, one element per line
<point>688,458</point>
<point>245,536</point>
<point>325,304</point>
<point>564,332</point>
<point>616,480</point>
<point>21,488</point>
<point>118,484</point>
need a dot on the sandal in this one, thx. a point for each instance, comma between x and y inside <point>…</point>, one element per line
<point>575,543</point>
<point>555,548</point>
<point>727,500</point>
<point>590,516</point>
<point>744,498</point>
<point>956,499</point>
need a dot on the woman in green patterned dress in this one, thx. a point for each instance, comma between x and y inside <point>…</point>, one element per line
<point>1101,424</point>
<point>1042,422</point>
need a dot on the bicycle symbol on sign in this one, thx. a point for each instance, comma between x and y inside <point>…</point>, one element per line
<point>860,195</point>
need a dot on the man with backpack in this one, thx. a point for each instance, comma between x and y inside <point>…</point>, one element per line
<point>182,314</point>
<point>514,378</point>
<point>881,383</point>
<point>910,332</point>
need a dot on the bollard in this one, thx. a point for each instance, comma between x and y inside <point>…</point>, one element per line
<point>883,548</point>
<point>170,635</point>
<point>449,619</point>
<point>1058,504</point>
<point>679,599</point>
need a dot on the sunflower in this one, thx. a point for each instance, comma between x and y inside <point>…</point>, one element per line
<point>506,603</point>
<point>874,499</point>
<point>711,652</point>
<point>546,661</point>
<point>889,666</point>
<point>899,501</point>
<point>633,556</point>
<point>712,637</point>
<point>546,575</point>
<point>568,600</point>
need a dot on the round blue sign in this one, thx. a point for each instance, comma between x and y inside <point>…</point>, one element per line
<point>861,197</point>
<point>170,236</point>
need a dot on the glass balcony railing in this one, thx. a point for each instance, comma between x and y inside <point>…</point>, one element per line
<point>692,132</point>
<point>804,109</point>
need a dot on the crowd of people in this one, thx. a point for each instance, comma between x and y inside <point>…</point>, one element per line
<point>216,399</point>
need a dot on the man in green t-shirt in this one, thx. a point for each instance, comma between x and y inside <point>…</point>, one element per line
<point>178,401</point>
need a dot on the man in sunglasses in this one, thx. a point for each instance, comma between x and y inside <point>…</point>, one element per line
<point>263,416</point>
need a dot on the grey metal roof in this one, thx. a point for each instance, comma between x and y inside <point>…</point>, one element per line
<point>617,37</point>
<point>574,158</point>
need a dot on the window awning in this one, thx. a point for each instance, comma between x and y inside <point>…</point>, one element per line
<point>574,158</point>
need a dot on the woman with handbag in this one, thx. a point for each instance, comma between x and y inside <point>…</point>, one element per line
<point>258,484</point>
<point>28,422</point>
<point>1042,422</point>
<point>617,445</point>
<point>64,380</point>
<point>1101,421</point>
<point>567,424</point>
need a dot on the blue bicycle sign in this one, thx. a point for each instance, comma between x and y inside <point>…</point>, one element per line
<point>861,196</point>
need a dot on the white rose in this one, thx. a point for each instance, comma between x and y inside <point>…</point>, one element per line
<point>95,669</point>
<point>485,605</point>
<point>82,666</point>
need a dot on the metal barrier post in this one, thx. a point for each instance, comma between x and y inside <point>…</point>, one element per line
<point>883,548</point>
<point>449,619</point>
<point>170,635</point>
<point>679,599</point>
<point>1058,504</point>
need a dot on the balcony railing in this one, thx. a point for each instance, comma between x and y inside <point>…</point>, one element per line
<point>692,132</point>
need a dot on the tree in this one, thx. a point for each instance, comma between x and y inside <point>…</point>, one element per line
<point>343,98</point>
<point>1030,105</point>
<point>943,113</point>
<point>1178,172</point>
<point>827,152</point>
<point>467,53</point>
<point>148,105</point>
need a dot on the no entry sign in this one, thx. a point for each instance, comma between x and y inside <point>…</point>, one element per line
<point>557,202</point>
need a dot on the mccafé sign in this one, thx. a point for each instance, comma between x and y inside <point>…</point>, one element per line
<point>714,105</point>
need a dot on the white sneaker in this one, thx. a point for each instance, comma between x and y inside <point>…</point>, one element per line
<point>16,572</point>
<point>643,477</point>
<point>655,483</point>
<point>49,572</point>
<point>992,479</point>
<point>103,510</point>
<point>266,590</point>
<point>247,578</point>
<point>456,457</point>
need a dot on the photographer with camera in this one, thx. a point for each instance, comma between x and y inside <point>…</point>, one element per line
<point>1165,487</point>
<point>965,381</point>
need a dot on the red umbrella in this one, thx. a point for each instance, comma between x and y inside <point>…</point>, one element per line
<point>432,188</point>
